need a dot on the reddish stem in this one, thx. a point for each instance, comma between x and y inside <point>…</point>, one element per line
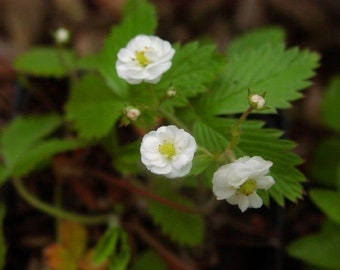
<point>128,185</point>
<point>173,261</point>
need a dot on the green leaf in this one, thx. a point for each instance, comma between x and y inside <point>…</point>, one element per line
<point>282,73</point>
<point>266,36</point>
<point>45,62</point>
<point>193,67</point>
<point>23,145</point>
<point>106,245</point>
<point>41,153</point>
<point>93,108</point>
<point>183,228</point>
<point>139,18</point>
<point>328,201</point>
<point>200,164</point>
<point>212,133</point>
<point>23,132</point>
<point>330,104</point>
<point>2,238</point>
<point>3,174</point>
<point>113,246</point>
<point>121,259</point>
<point>326,163</point>
<point>149,260</point>
<point>127,159</point>
<point>320,249</point>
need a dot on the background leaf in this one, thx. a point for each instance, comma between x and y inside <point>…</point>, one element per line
<point>325,166</point>
<point>45,62</point>
<point>93,107</point>
<point>106,245</point>
<point>149,260</point>
<point>183,228</point>
<point>57,257</point>
<point>328,201</point>
<point>24,148</point>
<point>330,104</point>
<point>2,238</point>
<point>73,237</point>
<point>319,249</point>
<point>139,18</point>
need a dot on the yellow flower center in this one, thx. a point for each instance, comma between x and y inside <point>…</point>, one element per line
<point>167,149</point>
<point>248,187</point>
<point>141,58</point>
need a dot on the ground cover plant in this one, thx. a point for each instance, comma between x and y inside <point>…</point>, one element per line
<point>166,136</point>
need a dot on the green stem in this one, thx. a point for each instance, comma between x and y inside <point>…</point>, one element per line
<point>54,211</point>
<point>235,134</point>
<point>172,119</point>
<point>58,197</point>
<point>63,61</point>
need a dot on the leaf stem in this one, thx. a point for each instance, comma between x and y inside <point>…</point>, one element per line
<point>55,211</point>
<point>235,134</point>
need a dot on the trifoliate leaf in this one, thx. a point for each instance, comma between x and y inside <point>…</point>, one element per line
<point>328,201</point>
<point>193,66</point>
<point>281,73</point>
<point>183,228</point>
<point>319,249</point>
<point>330,104</point>
<point>24,148</point>
<point>149,260</point>
<point>93,108</point>
<point>257,38</point>
<point>139,18</point>
<point>257,141</point>
<point>46,62</point>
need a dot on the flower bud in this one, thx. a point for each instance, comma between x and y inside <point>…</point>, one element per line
<point>132,113</point>
<point>256,101</point>
<point>171,92</point>
<point>62,35</point>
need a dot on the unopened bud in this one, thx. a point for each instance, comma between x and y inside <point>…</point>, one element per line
<point>257,102</point>
<point>132,113</point>
<point>62,35</point>
<point>171,92</point>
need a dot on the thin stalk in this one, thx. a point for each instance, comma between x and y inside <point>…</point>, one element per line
<point>55,211</point>
<point>235,134</point>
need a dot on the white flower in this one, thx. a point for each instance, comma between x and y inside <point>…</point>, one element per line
<point>238,182</point>
<point>168,151</point>
<point>145,58</point>
<point>62,35</point>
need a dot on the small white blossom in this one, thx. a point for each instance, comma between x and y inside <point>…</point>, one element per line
<point>238,182</point>
<point>145,58</point>
<point>62,35</point>
<point>257,101</point>
<point>132,113</point>
<point>168,151</point>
